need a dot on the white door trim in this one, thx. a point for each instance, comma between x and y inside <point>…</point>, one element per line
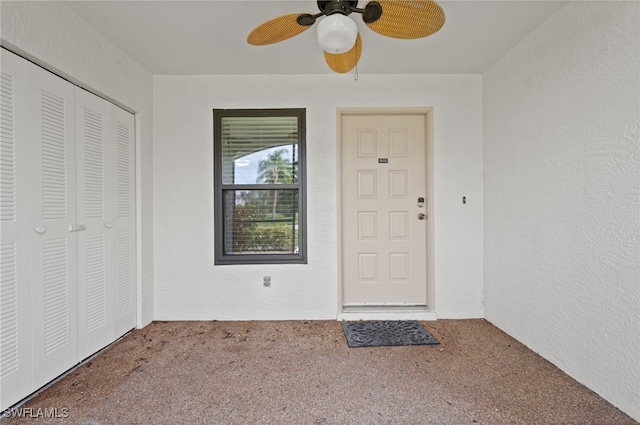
<point>390,313</point>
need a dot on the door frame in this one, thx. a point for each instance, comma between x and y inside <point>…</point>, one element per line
<point>391,312</point>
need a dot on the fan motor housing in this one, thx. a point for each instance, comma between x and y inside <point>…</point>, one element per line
<point>329,7</point>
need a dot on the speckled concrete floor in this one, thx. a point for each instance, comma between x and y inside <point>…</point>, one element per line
<point>297,372</point>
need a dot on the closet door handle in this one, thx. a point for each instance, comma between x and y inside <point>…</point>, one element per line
<point>108,225</point>
<point>77,227</point>
<point>40,230</point>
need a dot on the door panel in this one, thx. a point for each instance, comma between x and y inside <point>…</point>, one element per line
<point>53,211</point>
<point>384,241</point>
<point>95,240</point>
<point>15,271</point>
<point>124,221</point>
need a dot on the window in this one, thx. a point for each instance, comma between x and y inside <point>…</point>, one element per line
<point>259,183</point>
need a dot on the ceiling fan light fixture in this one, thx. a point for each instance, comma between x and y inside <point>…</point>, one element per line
<point>337,33</point>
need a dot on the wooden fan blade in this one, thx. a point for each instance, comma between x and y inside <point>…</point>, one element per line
<point>277,29</point>
<point>345,62</point>
<point>408,19</point>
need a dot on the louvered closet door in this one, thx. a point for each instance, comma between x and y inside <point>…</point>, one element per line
<point>15,297</point>
<point>96,274</point>
<point>53,211</point>
<point>124,221</point>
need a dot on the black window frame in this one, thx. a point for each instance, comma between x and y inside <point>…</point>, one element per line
<point>222,258</point>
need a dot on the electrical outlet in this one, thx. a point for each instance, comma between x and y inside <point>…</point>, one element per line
<point>266,281</point>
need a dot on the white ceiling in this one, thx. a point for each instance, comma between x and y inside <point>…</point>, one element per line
<point>209,37</point>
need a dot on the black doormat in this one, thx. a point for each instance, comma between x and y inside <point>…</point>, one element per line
<point>387,333</point>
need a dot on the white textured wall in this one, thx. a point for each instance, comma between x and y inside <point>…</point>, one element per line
<point>189,286</point>
<point>562,195</point>
<point>53,35</point>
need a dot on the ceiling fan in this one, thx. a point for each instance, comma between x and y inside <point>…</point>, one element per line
<point>338,33</point>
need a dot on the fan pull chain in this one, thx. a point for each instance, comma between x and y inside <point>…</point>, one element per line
<point>355,75</point>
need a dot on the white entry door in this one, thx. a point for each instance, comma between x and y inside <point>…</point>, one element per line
<point>384,210</point>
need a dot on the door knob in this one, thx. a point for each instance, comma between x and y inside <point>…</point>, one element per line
<point>421,216</point>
